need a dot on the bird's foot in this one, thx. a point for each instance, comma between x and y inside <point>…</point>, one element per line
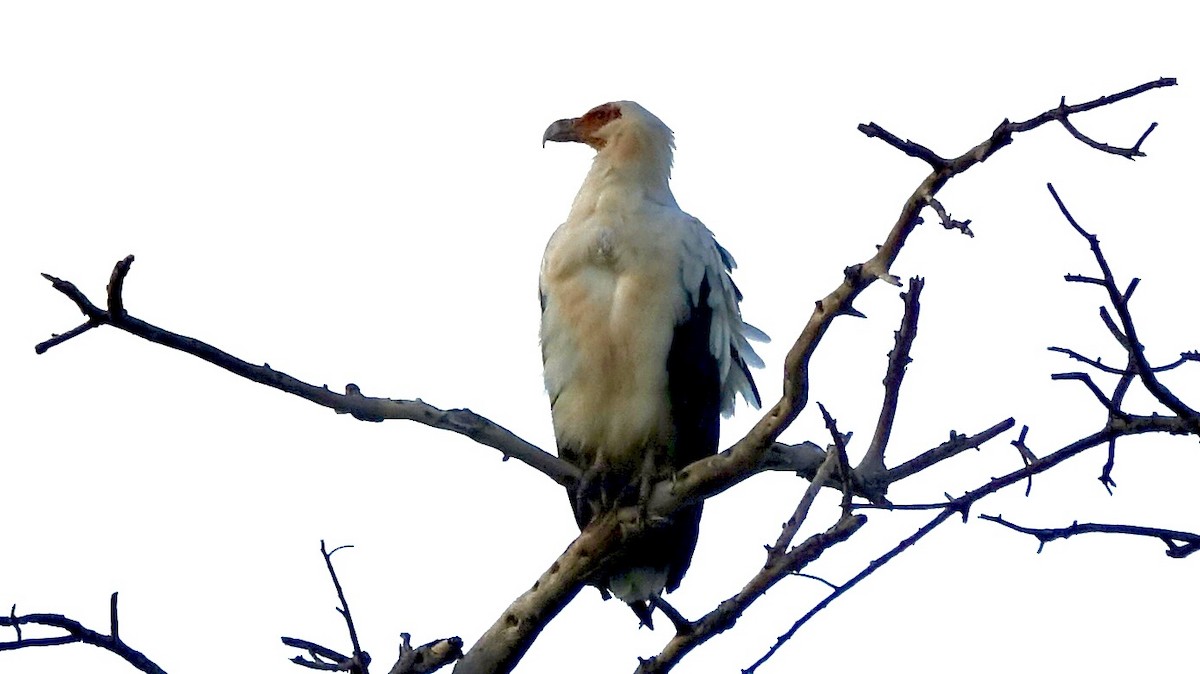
<point>645,613</point>
<point>645,489</point>
<point>594,494</point>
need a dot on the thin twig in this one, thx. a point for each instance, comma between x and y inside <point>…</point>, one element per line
<point>1134,346</point>
<point>1087,380</point>
<point>845,474</point>
<point>1180,544</point>
<point>360,658</point>
<point>1118,399</point>
<point>1027,456</point>
<point>322,657</point>
<point>1186,357</point>
<point>949,222</point>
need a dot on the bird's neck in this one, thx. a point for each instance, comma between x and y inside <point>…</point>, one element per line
<point>626,177</point>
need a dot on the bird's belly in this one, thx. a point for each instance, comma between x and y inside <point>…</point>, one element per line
<point>607,363</point>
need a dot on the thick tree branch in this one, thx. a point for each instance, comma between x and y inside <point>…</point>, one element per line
<point>352,402</point>
<point>506,641</point>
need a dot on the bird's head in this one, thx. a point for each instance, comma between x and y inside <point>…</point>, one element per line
<point>622,130</point>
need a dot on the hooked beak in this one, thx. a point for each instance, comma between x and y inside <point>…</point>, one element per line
<point>563,131</point>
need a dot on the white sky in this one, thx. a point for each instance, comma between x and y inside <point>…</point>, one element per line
<point>357,192</point>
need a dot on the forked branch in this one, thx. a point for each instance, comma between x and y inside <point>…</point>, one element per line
<point>76,633</point>
<point>426,658</point>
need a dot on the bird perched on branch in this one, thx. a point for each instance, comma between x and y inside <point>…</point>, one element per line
<point>643,342</point>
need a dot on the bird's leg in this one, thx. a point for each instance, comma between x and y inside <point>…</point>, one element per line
<point>592,496</point>
<point>648,474</point>
<point>588,485</point>
<point>645,613</point>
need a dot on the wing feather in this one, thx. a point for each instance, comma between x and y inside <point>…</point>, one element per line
<point>707,262</point>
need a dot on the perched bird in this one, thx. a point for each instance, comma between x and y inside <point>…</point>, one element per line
<point>643,342</point>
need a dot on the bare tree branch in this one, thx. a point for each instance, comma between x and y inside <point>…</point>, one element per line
<point>1133,346</point>
<point>960,505</point>
<point>727,612</point>
<point>915,150</point>
<point>839,590</point>
<point>360,658</point>
<point>793,524</point>
<point>320,657</point>
<point>1185,357</point>
<point>1129,153</point>
<point>1087,380</point>
<point>1120,423</point>
<point>359,661</point>
<point>1180,544</point>
<point>77,633</point>
<point>871,469</point>
<point>426,658</point>
<point>845,474</point>
<point>957,444</point>
<point>1118,399</point>
<point>949,222</point>
<point>1027,455</point>
<point>352,402</point>
<point>356,663</point>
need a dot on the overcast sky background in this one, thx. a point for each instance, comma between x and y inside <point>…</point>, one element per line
<point>356,192</point>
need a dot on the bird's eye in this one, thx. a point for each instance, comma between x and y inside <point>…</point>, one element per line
<point>602,114</point>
